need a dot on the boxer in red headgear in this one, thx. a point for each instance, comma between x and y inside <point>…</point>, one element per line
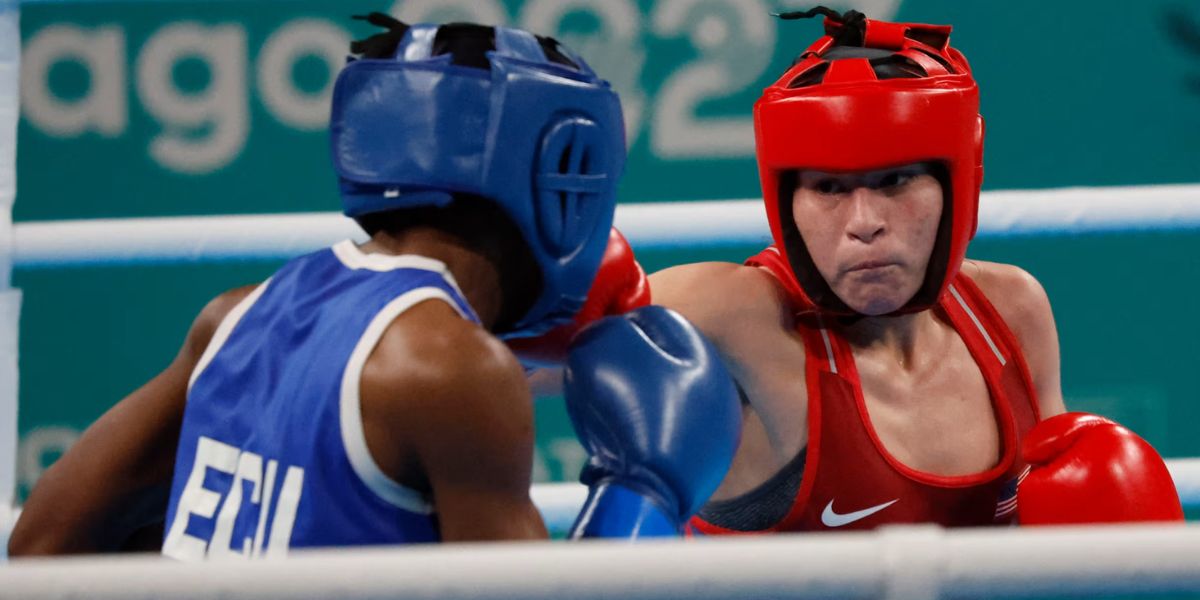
<point>885,378</point>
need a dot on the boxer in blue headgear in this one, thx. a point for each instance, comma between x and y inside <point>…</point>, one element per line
<point>525,125</point>
<point>360,395</point>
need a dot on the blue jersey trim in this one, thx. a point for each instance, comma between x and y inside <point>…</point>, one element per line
<point>353,438</point>
<point>224,329</point>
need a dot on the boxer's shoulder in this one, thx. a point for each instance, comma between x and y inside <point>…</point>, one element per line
<point>211,316</point>
<point>438,389</point>
<point>720,297</point>
<point>431,346</point>
<point>1016,294</point>
<point>744,311</point>
<point>1024,306</point>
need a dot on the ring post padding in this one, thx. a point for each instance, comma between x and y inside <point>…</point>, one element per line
<point>10,299</point>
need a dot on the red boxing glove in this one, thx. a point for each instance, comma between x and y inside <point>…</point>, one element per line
<point>1088,469</point>
<point>620,286</point>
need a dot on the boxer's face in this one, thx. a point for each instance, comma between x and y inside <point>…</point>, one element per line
<point>870,233</point>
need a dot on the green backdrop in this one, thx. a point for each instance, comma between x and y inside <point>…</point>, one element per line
<point>181,108</point>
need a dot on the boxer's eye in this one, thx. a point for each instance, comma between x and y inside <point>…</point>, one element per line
<point>829,187</point>
<point>895,179</point>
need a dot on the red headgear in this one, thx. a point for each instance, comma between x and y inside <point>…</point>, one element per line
<point>835,114</point>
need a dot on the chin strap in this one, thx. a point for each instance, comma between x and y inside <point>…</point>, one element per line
<point>853,24</point>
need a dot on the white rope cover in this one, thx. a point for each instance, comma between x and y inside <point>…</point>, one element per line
<point>648,226</point>
<point>893,563</point>
<point>1186,473</point>
<point>559,503</point>
<point>8,518</point>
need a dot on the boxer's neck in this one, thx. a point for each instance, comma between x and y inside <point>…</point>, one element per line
<point>904,337</point>
<point>477,277</point>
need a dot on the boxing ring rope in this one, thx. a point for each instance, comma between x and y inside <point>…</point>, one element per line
<point>559,503</point>
<point>895,563</point>
<point>1069,211</point>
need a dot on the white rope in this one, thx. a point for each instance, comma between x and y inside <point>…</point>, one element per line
<point>894,563</point>
<point>648,226</point>
<point>559,503</point>
<point>8,518</point>
<point>1186,473</point>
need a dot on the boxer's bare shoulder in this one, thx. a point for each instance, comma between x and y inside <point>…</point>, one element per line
<point>1017,294</point>
<point>433,352</point>
<point>722,299</point>
<point>1023,303</point>
<point>445,410</point>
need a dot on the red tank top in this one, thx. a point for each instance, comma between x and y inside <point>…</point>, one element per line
<point>850,481</point>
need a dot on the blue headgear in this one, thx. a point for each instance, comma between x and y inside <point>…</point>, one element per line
<point>544,141</point>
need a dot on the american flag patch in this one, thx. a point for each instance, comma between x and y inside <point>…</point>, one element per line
<point>1006,506</point>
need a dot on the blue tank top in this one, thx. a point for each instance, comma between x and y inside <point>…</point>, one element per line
<point>272,453</point>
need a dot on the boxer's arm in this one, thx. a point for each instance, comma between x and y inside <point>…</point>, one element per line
<point>1025,307</point>
<point>115,481</point>
<point>700,293</point>
<point>734,306</point>
<point>446,410</point>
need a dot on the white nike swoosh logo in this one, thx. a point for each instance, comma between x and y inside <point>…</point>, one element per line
<point>832,519</point>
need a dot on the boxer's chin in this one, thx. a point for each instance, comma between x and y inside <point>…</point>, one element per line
<point>875,307</point>
<point>875,299</point>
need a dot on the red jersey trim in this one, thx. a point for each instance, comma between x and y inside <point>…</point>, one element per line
<point>1000,328</point>
<point>997,351</point>
<point>812,373</point>
<point>773,261</point>
<point>706,528</point>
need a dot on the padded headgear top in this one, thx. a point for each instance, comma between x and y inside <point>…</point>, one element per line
<point>871,95</point>
<point>521,121</point>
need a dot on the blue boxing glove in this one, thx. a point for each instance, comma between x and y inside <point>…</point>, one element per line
<point>659,414</point>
